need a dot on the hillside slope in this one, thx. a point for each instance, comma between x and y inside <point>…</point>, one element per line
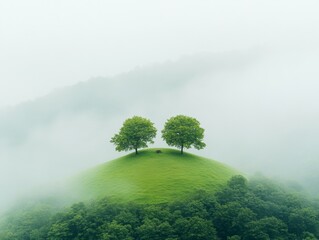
<point>152,177</point>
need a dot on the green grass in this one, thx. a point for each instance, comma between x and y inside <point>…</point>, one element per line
<point>151,177</point>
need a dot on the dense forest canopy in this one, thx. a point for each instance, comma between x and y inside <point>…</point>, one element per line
<point>257,209</point>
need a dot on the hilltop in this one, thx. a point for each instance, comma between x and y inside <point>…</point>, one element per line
<point>238,209</point>
<point>152,177</point>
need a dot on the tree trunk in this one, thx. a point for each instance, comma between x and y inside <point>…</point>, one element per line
<point>182,149</point>
<point>135,150</point>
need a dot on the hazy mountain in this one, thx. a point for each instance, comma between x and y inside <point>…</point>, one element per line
<point>258,109</point>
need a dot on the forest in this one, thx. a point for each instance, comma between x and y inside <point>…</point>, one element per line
<point>244,209</point>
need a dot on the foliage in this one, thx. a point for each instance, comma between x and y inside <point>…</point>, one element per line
<point>266,228</point>
<point>241,210</point>
<point>135,133</point>
<point>30,221</point>
<point>183,132</point>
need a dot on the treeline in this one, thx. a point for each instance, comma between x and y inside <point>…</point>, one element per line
<point>257,209</point>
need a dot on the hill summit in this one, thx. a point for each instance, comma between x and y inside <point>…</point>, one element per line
<point>153,176</point>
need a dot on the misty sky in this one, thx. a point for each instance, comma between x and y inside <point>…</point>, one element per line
<point>49,44</point>
<point>74,70</point>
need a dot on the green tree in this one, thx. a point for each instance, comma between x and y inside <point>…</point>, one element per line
<point>235,191</point>
<point>232,219</point>
<point>115,231</point>
<point>266,228</point>
<point>303,220</point>
<point>195,228</point>
<point>183,132</point>
<point>155,229</point>
<point>135,133</point>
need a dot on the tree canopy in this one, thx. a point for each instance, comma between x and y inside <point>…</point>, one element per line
<point>249,210</point>
<point>135,133</point>
<point>183,132</point>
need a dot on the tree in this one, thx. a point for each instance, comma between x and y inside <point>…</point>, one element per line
<point>115,231</point>
<point>135,133</point>
<point>155,229</point>
<point>266,228</point>
<point>183,132</point>
<point>195,228</point>
<point>303,220</point>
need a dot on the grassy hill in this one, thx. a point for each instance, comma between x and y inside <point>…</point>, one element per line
<point>152,177</point>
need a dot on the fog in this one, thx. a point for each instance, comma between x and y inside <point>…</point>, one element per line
<point>50,44</point>
<point>247,70</point>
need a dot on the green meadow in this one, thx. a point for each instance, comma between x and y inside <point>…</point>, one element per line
<point>153,176</point>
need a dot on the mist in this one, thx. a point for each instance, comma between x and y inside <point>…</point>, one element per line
<point>259,115</point>
<point>248,71</point>
<point>46,45</point>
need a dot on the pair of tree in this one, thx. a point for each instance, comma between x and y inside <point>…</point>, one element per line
<point>179,131</point>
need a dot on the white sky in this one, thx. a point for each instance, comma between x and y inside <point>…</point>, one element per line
<point>45,44</point>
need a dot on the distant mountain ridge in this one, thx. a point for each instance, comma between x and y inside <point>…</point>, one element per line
<point>112,95</point>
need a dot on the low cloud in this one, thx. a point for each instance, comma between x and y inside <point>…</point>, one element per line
<point>258,109</point>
